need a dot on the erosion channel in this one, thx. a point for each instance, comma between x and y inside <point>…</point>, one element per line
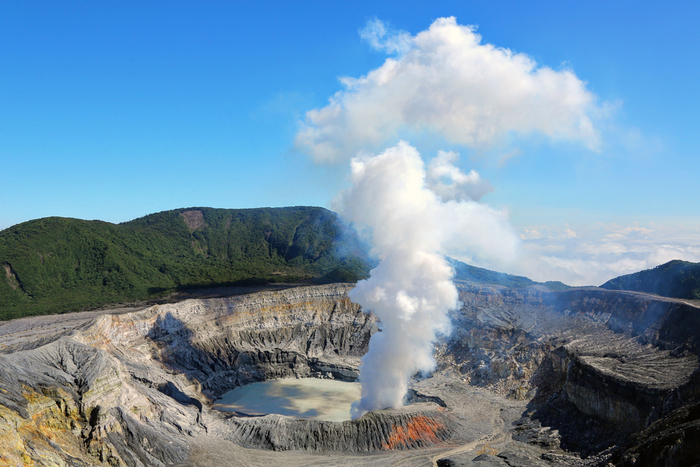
<point>527,377</point>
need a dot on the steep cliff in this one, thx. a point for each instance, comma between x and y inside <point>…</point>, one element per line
<point>115,380</point>
<point>595,364</point>
<point>525,372</point>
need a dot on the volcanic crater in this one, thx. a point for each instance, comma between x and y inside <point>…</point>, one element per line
<point>527,377</point>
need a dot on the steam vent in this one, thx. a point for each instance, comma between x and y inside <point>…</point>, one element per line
<point>529,376</point>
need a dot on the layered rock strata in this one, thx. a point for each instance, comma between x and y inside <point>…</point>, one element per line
<point>135,387</point>
<point>625,359</point>
<point>412,427</point>
<point>130,389</point>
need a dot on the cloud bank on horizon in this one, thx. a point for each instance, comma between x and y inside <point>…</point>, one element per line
<point>594,254</point>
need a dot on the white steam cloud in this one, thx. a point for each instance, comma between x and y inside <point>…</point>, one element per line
<point>411,291</point>
<point>446,82</point>
<point>450,183</point>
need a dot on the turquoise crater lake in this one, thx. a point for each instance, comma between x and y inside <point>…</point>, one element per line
<point>311,398</point>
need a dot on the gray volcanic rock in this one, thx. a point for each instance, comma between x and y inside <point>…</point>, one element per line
<point>502,336</point>
<point>300,332</point>
<point>411,427</point>
<point>120,379</point>
<point>673,440</point>
<point>525,374</point>
<point>618,361</point>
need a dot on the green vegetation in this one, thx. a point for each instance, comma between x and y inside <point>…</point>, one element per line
<point>465,272</point>
<point>55,265</point>
<point>678,279</point>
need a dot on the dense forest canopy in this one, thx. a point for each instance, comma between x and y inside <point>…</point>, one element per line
<point>58,264</point>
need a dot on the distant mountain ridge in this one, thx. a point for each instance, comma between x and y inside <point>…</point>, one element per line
<point>57,264</point>
<point>54,265</point>
<point>465,272</point>
<point>676,279</point>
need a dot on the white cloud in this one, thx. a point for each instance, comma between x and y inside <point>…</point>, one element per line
<point>446,82</point>
<point>397,185</point>
<point>381,37</point>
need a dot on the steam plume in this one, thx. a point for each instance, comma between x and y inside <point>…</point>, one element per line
<point>443,83</point>
<point>411,290</point>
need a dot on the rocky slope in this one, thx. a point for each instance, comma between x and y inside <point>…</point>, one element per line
<point>527,377</point>
<point>595,364</point>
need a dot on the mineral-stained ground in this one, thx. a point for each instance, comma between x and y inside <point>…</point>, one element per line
<point>528,376</point>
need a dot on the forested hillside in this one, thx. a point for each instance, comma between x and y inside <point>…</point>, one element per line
<point>677,279</point>
<point>57,264</point>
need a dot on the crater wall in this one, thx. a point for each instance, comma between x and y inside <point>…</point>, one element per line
<point>95,389</point>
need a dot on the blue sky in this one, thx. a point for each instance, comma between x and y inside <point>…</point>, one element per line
<point>114,110</point>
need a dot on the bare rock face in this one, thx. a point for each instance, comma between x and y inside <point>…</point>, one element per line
<point>524,374</point>
<point>618,361</point>
<point>71,399</point>
<point>673,440</point>
<point>130,389</point>
<point>224,343</point>
<point>417,426</point>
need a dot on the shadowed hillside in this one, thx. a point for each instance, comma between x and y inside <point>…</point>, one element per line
<point>58,264</point>
<point>677,279</point>
<point>466,272</point>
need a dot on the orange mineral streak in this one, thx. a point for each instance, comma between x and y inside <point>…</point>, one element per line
<point>420,428</point>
